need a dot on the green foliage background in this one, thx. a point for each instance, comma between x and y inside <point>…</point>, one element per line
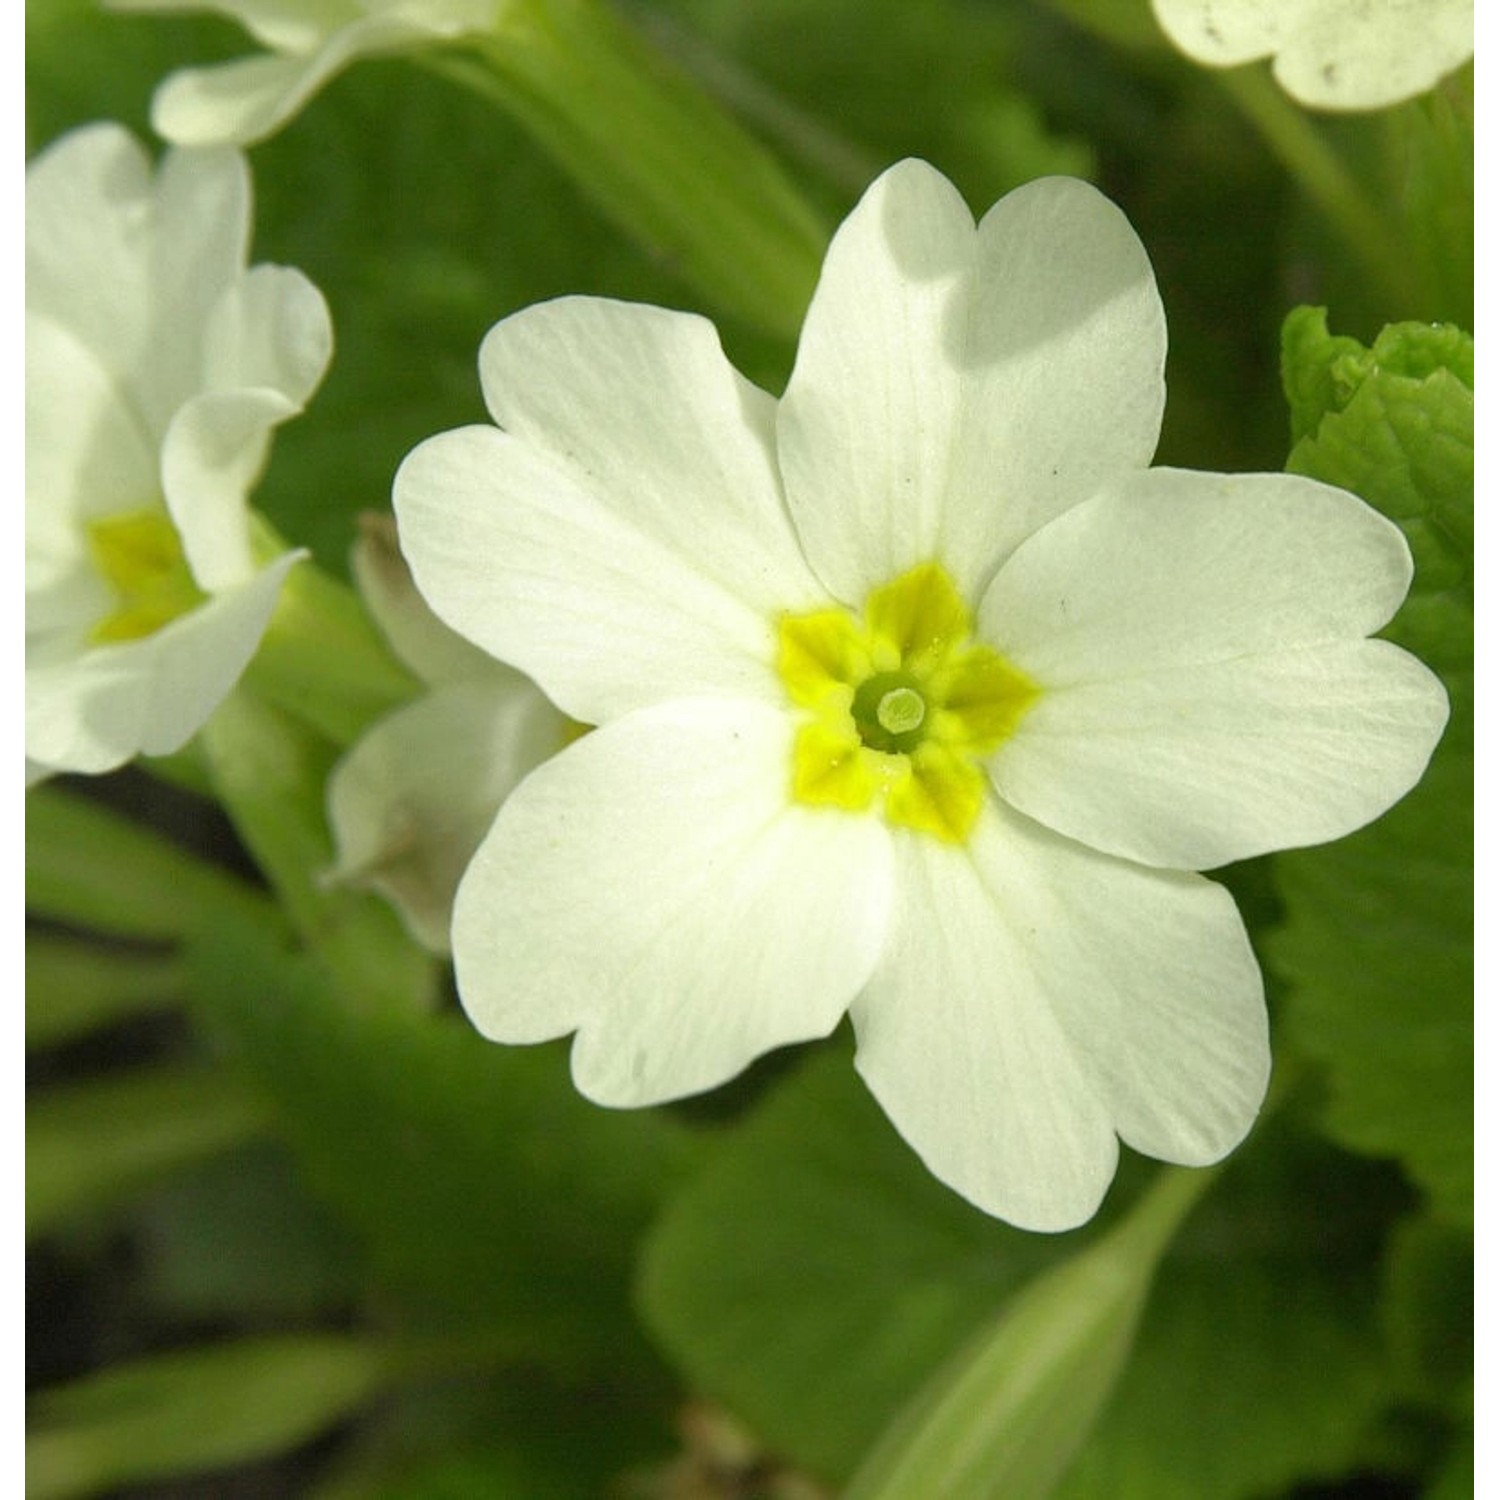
<point>289,1216</point>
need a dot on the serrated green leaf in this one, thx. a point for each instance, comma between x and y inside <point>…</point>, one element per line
<point>202,1409</point>
<point>90,1145</point>
<point>813,1276</point>
<point>73,988</point>
<point>487,1193</point>
<point>1377,942</point>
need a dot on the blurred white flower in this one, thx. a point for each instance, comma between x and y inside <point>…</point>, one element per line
<point>309,41</point>
<point>1331,54</point>
<point>411,801</point>
<point>919,696</point>
<point>156,367</point>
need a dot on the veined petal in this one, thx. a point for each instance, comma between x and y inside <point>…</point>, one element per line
<point>1175,568</point>
<point>1334,54</point>
<point>411,802</point>
<point>653,888</point>
<point>285,25</point>
<point>86,452</point>
<point>622,549</point>
<point>956,388</point>
<point>1192,766</point>
<point>149,696</point>
<point>641,407</point>
<point>241,102</point>
<point>1037,999</point>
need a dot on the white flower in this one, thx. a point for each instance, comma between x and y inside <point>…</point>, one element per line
<point>1332,54</point>
<point>409,804</point>
<point>156,367</point>
<point>919,696</point>
<point>238,103</point>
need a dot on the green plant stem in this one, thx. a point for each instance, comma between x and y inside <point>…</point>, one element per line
<point>1302,148</point>
<point>656,153</point>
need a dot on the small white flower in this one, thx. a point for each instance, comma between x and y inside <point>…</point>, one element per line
<point>410,803</point>
<point>309,41</point>
<point>1331,54</point>
<point>920,696</point>
<point>156,367</point>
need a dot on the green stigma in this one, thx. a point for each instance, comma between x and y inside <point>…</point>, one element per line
<point>902,705</point>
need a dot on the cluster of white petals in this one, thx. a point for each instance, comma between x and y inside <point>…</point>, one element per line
<point>1330,54</point>
<point>410,802</point>
<point>1134,674</point>
<point>157,366</point>
<point>308,42</point>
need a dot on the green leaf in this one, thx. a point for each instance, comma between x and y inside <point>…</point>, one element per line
<point>488,1194</point>
<point>1377,942</point>
<point>1004,1421</point>
<point>813,1276</point>
<point>73,988</point>
<point>1427,1311</point>
<point>90,1145</point>
<point>183,1413</point>
<point>91,867</point>
<point>270,771</point>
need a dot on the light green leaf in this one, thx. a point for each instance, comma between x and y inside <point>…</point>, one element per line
<point>94,868</point>
<point>90,1145</point>
<point>202,1409</point>
<point>1006,1418</point>
<point>813,1276</point>
<point>487,1193</point>
<point>73,988</point>
<point>270,771</point>
<point>1377,942</point>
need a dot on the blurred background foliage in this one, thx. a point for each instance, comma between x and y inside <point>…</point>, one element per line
<point>289,1237</point>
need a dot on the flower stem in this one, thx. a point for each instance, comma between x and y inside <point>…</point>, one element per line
<point>1304,151</point>
<point>661,158</point>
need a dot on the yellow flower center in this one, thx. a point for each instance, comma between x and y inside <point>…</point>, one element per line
<point>138,553</point>
<point>901,705</point>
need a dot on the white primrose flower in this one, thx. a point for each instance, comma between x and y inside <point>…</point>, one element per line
<point>919,696</point>
<point>1330,54</point>
<point>309,41</point>
<point>156,367</point>
<point>411,801</point>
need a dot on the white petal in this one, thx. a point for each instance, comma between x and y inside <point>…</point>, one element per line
<point>653,888</point>
<point>1192,767</point>
<point>1335,54</point>
<point>1038,998</point>
<point>150,696</point>
<point>285,25</point>
<point>86,456</point>
<point>410,803</point>
<point>1177,568</point>
<point>432,651</point>
<point>242,102</point>
<point>1206,694</point>
<point>954,388</point>
<point>623,541</point>
<point>270,329</point>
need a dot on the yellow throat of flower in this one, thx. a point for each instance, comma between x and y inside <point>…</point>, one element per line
<point>902,705</point>
<point>139,555</point>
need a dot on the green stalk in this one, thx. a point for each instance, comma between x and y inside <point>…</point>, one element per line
<point>1303,149</point>
<point>661,158</point>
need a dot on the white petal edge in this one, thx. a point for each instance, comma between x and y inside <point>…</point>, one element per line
<point>654,889</point>
<point>149,696</point>
<point>608,608</point>
<point>1177,568</point>
<point>412,800</point>
<point>956,388</point>
<point>1193,767</point>
<point>1037,999</point>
